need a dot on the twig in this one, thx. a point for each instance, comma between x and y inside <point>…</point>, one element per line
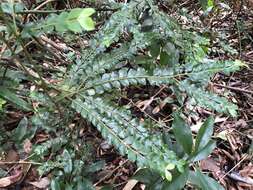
<point>20,162</point>
<point>56,11</point>
<point>243,158</point>
<point>234,88</point>
<point>55,45</point>
<point>110,173</point>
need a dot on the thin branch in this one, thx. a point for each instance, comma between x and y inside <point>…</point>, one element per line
<point>233,88</point>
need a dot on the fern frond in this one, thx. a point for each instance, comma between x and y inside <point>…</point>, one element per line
<point>202,72</point>
<point>201,97</point>
<point>128,135</point>
<point>119,22</point>
<point>93,63</point>
<point>126,77</point>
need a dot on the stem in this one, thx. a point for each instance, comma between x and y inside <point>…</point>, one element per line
<point>20,162</point>
<point>56,11</point>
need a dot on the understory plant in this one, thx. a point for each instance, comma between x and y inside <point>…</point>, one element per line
<point>138,45</point>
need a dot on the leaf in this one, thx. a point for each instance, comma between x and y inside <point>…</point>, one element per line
<point>178,181</point>
<point>7,181</point>
<point>21,130</point>
<point>85,185</point>
<point>107,187</point>
<point>130,184</point>
<point>203,181</point>
<point>72,22</point>
<point>206,99</point>
<point>204,152</point>
<point>155,49</point>
<point>13,98</point>
<point>95,166</point>
<point>2,102</point>
<point>7,7</point>
<point>55,185</point>
<point>204,134</point>
<point>164,58</point>
<point>182,133</point>
<point>206,4</point>
<point>43,183</point>
<point>67,162</point>
<point>61,24</point>
<point>86,12</point>
<point>146,176</point>
<point>10,8</point>
<point>87,23</point>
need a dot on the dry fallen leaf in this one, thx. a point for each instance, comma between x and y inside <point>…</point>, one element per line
<point>7,181</point>
<point>142,105</point>
<point>27,146</point>
<point>130,184</point>
<point>43,183</point>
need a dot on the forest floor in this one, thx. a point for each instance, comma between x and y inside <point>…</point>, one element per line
<point>231,161</point>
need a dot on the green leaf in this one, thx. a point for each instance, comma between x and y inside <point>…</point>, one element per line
<point>164,58</point>
<point>182,133</point>
<point>85,185</point>
<point>61,22</point>
<point>55,185</point>
<point>155,49</point>
<point>69,187</point>
<point>107,187</point>
<point>67,162</point>
<point>206,4</point>
<point>10,8</point>
<point>86,12</point>
<point>136,141</point>
<point>178,182</point>
<point>13,98</point>
<point>203,181</point>
<point>206,99</point>
<point>146,176</point>
<point>204,134</point>
<point>21,130</point>
<point>204,152</point>
<point>95,166</point>
<point>2,102</point>
<point>87,23</point>
<point>7,7</point>
<point>168,175</point>
<point>72,20</point>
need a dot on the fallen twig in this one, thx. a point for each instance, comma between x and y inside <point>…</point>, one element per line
<point>233,88</point>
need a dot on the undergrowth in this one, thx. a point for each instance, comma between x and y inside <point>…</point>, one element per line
<point>137,45</point>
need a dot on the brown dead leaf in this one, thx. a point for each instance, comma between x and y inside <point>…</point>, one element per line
<point>43,183</point>
<point>7,181</point>
<point>27,146</point>
<point>247,171</point>
<point>158,108</point>
<point>130,184</point>
<point>209,164</point>
<point>142,105</point>
<point>41,138</point>
<point>12,156</point>
<point>212,166</point>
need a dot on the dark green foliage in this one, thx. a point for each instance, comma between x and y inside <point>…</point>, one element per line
<point>128,50</point>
